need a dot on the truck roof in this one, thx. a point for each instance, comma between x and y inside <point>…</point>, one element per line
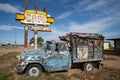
<point>82,35</point>
<point>55,41</point>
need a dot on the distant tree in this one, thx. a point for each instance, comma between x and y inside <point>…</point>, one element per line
<point>100,36</point>
<point>31,40</point>
<point>39,41</point>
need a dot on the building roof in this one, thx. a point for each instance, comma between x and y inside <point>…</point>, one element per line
<point>113,39</point>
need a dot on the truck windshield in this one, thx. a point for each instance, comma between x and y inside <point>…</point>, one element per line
<point>62,47</point>
<point>48,46</point>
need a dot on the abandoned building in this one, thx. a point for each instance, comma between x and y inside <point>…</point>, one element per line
<point>116,44</point>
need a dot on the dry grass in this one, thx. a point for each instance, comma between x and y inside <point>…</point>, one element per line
<point>8,49</point>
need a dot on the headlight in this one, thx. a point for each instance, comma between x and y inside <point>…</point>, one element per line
<point>17,56</point>
<point>20,61</point>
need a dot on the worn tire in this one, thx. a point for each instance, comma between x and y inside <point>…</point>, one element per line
<point>88,67</point>
<point>34,70</point>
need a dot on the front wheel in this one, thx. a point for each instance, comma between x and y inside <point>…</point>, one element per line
<point>34,70</point>
<point>87,67</point>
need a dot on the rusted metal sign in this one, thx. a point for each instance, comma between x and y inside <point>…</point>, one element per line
<point>33,17</point>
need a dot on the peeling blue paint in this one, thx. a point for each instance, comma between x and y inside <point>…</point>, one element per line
<point>58,62</point>
<point>53,57</point>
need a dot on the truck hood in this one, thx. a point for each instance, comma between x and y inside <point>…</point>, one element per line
<point>31,53</point>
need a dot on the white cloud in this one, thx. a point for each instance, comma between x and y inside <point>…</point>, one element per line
<point>101,6</point>
<point>54,34</point>
<point>64,15</point>
<point>7,27</point>
<point>9,8</point>
<point>65,1</point>
<point>87,5</point>
<point>96,5</point>
<point>91,26</point>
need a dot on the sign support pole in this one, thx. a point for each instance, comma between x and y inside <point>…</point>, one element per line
<point>25,37</point>
<point>35,32</point>
<point>26,30</point>
<point>35,38</point>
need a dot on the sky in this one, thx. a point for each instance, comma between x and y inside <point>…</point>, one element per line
<point>87,16</point>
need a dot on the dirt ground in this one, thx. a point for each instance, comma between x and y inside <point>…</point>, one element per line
<point>111,61</point>
<point>8,49</point>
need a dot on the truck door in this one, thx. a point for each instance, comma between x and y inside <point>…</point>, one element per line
<point>59,59</point>
<point>64,56</point>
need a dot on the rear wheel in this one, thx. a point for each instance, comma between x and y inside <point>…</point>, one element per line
<point>87,67</point>
<point>34,70</point>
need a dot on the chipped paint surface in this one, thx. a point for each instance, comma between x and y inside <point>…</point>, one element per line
<point>60,62</point>
<point>82,53</point>
<point>84,46</point>
<point>54,56</point>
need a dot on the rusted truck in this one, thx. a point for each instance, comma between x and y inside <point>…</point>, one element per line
<point>82,49</point>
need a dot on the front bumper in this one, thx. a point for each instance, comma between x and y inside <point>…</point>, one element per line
<point>19,69</point>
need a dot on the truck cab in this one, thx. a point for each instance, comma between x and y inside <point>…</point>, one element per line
<point>53,56</point>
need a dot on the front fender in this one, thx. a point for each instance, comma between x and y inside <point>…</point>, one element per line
<point>34,62</point>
